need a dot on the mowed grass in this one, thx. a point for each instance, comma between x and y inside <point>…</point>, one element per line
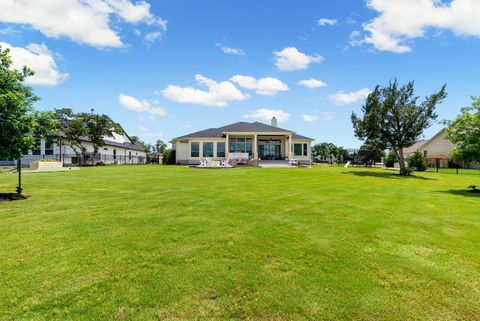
<point>171,243</point>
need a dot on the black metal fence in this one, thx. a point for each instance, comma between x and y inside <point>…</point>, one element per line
<point>449,166</point>
<point>81,160</point>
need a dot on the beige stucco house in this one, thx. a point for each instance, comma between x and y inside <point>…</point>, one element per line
<point>437,150</point>
<point>255,141</point>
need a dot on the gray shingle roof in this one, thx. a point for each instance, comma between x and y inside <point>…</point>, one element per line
<point>240,127</point>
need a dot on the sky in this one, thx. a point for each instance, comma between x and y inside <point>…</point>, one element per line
<point>166,68</point>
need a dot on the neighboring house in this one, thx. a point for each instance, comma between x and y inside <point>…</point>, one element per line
<point>437,150</point>
<point>118,149</point>
<point>250,140</point>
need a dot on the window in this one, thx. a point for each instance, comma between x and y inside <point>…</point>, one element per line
<point>241,145</point>
<point>114,154</point>
<point>220,149</point>
<point>208,149</point>
<point>48,148</point>
<point>297,149</point>
<point>129,155</point>
<point>195,149</point>
<point>305,149</point>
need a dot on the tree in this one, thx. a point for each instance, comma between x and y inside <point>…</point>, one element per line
<point>372,150</point>
<point>19,123</point>
<point>160,146</point>
<point>324,150</point>
<point>73,131</point>
<point>393,116</point>
<point>136,140</point>
<point>417,161</point>
<point>390,160</point>
<point>97,127</point>
<point>464,132</point>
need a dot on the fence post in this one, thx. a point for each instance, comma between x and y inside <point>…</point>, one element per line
<point>437,163</point>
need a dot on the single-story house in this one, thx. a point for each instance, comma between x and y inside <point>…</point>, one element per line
<point>118,149</point>
<point>255,141</point>
<point>437,150</point>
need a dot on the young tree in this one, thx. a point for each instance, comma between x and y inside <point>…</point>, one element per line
<point>20,125</point>
<point>393,116</point>
<point>464,132</point>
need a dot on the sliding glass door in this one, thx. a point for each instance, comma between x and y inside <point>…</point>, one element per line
<point>269,149</point>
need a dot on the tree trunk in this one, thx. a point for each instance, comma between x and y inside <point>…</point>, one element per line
<point>401,162</point>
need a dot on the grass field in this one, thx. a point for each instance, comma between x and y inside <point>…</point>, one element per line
<point>171,243</point>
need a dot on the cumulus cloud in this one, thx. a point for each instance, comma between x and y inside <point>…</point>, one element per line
<point>400,21</point>
<point>83,21</point>
<point>312,83</point>
<point>231,51</point>
<point>343,98</point>
<point>265,114</point>
<point>219,94</point>
<point>264,86</point>
<point>38,58</point>
<point>326,22</point>
<point>141,106</point>
<point>290,59</point>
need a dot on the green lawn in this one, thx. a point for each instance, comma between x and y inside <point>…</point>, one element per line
<point>171,243</point>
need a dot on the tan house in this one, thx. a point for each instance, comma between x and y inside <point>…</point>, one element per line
<point>437,150</point>
<point>251,141</point>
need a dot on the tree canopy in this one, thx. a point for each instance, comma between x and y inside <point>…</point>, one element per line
<point>464,132</point>
<point>393,116</point>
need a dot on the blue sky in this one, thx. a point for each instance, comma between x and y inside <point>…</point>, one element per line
<point>166,68</point>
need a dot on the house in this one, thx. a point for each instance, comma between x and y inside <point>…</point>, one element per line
<point>254,141</point>
<point>118,149</point>
<point>437,150</point>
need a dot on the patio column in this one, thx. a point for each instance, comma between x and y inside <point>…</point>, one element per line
<point>290,156</point>
<point>227,147</point>
<point>255,147</point>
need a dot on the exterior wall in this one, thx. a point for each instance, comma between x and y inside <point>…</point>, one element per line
<point>438,147</point>
<point>65,153</point>
<point>303,159</point>
<point>183,148</point>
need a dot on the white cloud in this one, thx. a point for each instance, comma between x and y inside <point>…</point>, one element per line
<point>83,21</point>
<point>153,36</point>
<point>343,98</point>
<point>266,114</point>
<point>327,22</point>
<point>310,118</point>
<point>290,59</point>
<point>264,86</point>
<point>231,51</point>
<point>218,94</point>
<point>141,106</point>
<point>312,83</point>
<point>402,20</point>
<point>38,58</point>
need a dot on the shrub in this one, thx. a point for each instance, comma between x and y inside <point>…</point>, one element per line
<point>169,157</point>
<point>417,161</point>
<point>390,160</point>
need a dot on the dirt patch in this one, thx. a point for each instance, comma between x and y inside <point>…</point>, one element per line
<point>6,197</point>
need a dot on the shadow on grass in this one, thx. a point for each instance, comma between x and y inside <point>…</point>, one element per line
<point>388,175</point>
<point>461,192</point>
